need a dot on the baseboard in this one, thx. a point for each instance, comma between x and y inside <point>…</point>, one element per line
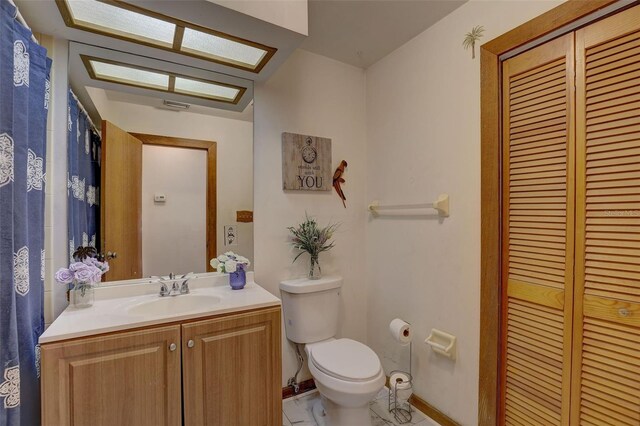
<point>305,386</point>
<point>432,411</point>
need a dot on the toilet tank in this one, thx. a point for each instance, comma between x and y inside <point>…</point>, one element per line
<point>311,308</point>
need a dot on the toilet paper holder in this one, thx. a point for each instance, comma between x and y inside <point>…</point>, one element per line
<point>442,343</point>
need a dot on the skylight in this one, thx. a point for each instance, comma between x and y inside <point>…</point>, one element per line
<point>200,88</point>
<point>129,75</point>
<point>221,48</point>
<point>132,23</point>
<point>133,75</point>
<point>96,15</point>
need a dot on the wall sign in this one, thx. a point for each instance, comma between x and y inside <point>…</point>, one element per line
<point>306,163</point>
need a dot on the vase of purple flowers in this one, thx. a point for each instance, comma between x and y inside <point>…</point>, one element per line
<point>83,275</point>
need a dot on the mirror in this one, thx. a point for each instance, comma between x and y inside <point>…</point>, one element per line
<point>159,182</point>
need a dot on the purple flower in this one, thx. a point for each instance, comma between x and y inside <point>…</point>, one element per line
<point>85,274</point>
<point>77,266</point>
<point>64,276</point>
<point>97,275</point>
<point>92,261</point>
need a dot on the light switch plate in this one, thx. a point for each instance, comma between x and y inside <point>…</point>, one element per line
<point>230,235</point>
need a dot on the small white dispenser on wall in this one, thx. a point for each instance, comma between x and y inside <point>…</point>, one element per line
<point>442,343</point>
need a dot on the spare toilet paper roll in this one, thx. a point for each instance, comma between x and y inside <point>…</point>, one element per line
<point>401,331</point>
<point>401,384</point>
<point>399,381</point>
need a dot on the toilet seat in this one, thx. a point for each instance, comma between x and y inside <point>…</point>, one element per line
<point>345,359</point>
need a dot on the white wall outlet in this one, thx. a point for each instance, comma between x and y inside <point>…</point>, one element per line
<point>230,235</point>
<point>159,198</point>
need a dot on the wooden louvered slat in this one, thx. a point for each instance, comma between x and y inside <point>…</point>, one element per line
<point>551,138</point>
<point>606,355</point>
<point>540,108</point>
<point>613,94</point>
<point>538,229</point>
<point>616,76</point>
<point>612,109</point>
<point>612,103</point>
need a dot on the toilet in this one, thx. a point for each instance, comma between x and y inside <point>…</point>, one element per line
<point>347,373</point>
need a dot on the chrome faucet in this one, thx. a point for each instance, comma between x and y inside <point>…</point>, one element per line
<point>177,288</point>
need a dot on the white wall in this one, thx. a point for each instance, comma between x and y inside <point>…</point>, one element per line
<point>174,232</point>
<point>289,14</point>
<point>313,95</point>
<point>234,155</point>
<point>423,138</point>
<point>55,236</point>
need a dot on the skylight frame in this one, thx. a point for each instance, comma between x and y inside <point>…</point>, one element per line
<point>86,60</point>
<point>176,47</point>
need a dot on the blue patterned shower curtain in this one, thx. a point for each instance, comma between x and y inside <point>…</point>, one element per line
<point>83,184</point>
<point>24,100</point>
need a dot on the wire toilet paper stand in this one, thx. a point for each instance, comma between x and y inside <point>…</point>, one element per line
<point>399,393</point>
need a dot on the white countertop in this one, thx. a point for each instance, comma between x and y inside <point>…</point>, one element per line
<point>110,312</point>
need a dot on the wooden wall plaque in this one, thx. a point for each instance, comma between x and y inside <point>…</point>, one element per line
<point>244,216</point>
<point>306,163</point>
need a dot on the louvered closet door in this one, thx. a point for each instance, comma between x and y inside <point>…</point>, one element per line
<point>538,228</point>
<point>606,376</point>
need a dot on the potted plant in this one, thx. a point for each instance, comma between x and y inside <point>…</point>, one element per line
<point>308,237</point>
<point>234,265</point>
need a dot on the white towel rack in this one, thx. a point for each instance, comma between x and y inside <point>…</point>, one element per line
<point>441,205</point>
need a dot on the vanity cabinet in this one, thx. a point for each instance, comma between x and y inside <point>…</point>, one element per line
<point>218,371</point>
<point>231,370</point>
<point>125,378</point>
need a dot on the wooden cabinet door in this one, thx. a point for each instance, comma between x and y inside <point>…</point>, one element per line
<point>121,202</point>
<point>124,379</point>
<point>232,371</point>
<point>606,363</point>
<point>538,206</point>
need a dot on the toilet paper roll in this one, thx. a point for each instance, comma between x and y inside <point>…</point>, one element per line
<point>400,383</point>
<point>401,331</point>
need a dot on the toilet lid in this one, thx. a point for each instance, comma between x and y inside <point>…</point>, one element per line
<point>346,359</point>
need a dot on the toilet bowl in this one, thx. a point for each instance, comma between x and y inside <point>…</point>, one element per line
<point>347,373</point>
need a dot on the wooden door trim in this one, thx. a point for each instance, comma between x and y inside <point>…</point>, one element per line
<point>212,208</point>
<point>491,202</point>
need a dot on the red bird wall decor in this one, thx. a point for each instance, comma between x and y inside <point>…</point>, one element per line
<point>338,179</point>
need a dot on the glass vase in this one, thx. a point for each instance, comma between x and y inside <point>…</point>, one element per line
<point>82,295</point>
<point>238,279</point>
<point>315,272</point>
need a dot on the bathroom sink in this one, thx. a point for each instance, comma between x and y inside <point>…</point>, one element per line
<point>174,305</point>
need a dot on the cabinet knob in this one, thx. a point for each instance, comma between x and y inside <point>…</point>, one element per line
<point>624,312</point>
<point>173,347</point>
<point>191,343</point>
<point>112,255</point>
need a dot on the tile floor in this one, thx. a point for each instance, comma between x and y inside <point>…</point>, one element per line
<point>297,411</point>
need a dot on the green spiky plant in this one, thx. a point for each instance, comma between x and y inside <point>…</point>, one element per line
<point>471,37</point>
<point>308,237</point>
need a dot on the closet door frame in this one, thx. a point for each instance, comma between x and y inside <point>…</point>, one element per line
<point>491,189</point>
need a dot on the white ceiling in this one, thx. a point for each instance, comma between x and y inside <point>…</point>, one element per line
<point>360,32</point>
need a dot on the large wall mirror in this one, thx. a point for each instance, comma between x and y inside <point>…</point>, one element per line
<point>160,163</point>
